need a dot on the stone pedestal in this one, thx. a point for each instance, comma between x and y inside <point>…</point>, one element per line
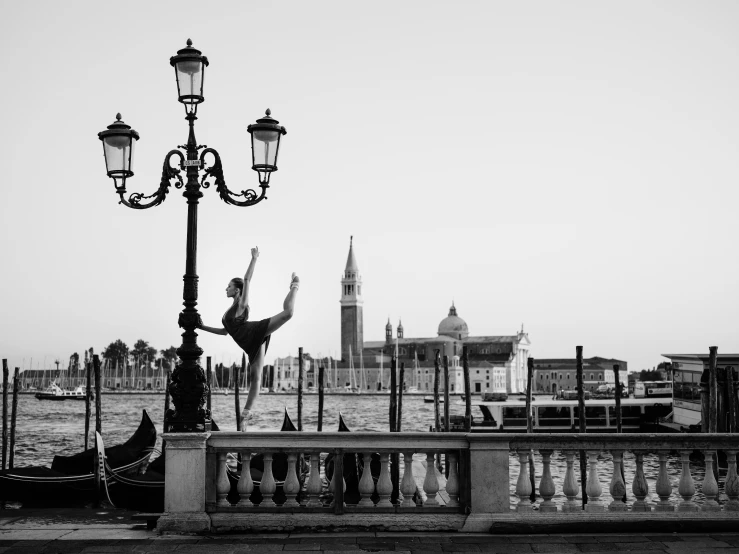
<point>489,478</point>
<point>184,488</point>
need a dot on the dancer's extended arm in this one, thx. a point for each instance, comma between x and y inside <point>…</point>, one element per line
<point>214,330</point>
<point>244,299</point>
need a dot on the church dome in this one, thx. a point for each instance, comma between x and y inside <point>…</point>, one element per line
<point>453,325</point>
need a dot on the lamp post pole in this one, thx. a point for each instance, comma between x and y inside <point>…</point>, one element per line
<point>188,387</point>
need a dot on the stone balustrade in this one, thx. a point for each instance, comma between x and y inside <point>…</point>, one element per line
<point>289,490</point>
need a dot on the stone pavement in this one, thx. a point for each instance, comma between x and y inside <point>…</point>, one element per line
<point>66,531</point>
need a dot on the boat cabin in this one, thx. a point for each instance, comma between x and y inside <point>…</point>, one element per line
<point>563,416</point>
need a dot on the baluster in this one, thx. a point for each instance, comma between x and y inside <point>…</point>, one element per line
<point>223,486</point>
<point>332,484</point>
<point>314,486</point>
<point>618,487</point>
<point>366,484</point>
<point>523,485</point>
<point>245,486</point>
<point>640,487</point>
<point>430,483</point>
<point>710,486</point>
<point>571,487</point>
<point>592,487</point>
<point>452,482</point>
<point>268,486</point>
<point>384,484</point>
<point>546,484</point>
<point>731,486</point>
<point>664,485</point>
<point>408,485</point>
<point>292,484</point>
<point>686,488</point>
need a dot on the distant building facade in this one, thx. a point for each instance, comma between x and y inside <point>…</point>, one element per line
<point>497,363</point>
<point>556,374</point>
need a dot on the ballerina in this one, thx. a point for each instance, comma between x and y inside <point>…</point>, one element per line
<point>252,336</point>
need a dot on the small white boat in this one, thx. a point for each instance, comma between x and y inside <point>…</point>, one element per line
<point>55,392</point>
<point>430,399</point>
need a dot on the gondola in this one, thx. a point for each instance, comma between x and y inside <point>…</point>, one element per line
<point>71,480</point>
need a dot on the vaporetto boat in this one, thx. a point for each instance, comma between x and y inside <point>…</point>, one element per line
<point>563,416</point>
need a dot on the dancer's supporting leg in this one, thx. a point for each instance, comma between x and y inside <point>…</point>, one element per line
<point>255,377</point>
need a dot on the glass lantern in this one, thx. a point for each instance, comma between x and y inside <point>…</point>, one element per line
<point>189,67</point>
<point>118,146</point>
<point>265,145</point>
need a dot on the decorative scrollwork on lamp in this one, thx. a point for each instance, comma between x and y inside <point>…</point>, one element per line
<point>168,174</point>
<point>215,172</point>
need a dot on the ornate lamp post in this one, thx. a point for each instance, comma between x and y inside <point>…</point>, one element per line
<point>188,387</point>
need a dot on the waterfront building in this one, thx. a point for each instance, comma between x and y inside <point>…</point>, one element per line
<point>552,375</point>
<point>497,362</point>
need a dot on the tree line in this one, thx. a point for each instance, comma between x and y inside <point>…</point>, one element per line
<point>141,354</point>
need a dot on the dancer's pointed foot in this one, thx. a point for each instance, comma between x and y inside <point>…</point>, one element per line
<point>295,282</point>
<point>247,418</point>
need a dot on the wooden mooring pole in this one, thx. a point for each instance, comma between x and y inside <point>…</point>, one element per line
<point>98,395</point>
<point>619,392</point>
<point>467,392</point>
<point>712,389</point>
<point>731,423</point>
<point>399,422</point>
<point>446,393</point>
<point>437,412</point>
<point>530,423</point>
<point>300,388</point>
<point>208,381</point>
<point>88,395</point>
<point>166,402</point>
<point>581,417</point>
<point>13,412</point>
<point>5,413</point>
<point>394,458</point>
<point>320,398</point>
<point>237,400</point>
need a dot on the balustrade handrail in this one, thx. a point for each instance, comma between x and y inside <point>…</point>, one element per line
<point>648,442</point>
<point>301,441</point>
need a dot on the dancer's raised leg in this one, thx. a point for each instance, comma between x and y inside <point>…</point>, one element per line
<point>255,377</point>
<point>288,307</point>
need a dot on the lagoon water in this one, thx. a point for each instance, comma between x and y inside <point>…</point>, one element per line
<point>46,428</point>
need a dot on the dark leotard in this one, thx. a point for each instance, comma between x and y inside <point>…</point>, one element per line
<point>249,335</point>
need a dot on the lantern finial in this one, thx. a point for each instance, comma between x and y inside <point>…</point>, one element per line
<point>268,112</point>
<point>118,116</point>
<point>189,42</point>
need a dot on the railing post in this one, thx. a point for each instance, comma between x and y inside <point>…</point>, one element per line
<point>710,486</point>
<point>546,484</point>
<point>664,486</point>
<point>267,485</point>
<point>640,487</point>
<point>430,483</point>
<point>489,481</point>
<point>686,487</point>
<point>384,485</point>
<point>731,486</point>
<point>452,481</point>
<point>618,487</point>
<point>245,486</point>
<point>366,483</point>
<point>408,485</point>
<point>523,484</point>
<point>184,499</point>
<point>292,485</point>
<point>571,487</point>
<point>314,486</point>
<point>592,487</point>
<point>222,484</point>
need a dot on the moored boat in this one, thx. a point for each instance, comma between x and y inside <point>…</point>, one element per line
<point>55,392</point>
<point>562,416</point>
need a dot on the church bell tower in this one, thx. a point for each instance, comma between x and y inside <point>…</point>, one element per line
<point>352,326</point>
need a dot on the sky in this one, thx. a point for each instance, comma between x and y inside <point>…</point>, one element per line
<point>567,166</point>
